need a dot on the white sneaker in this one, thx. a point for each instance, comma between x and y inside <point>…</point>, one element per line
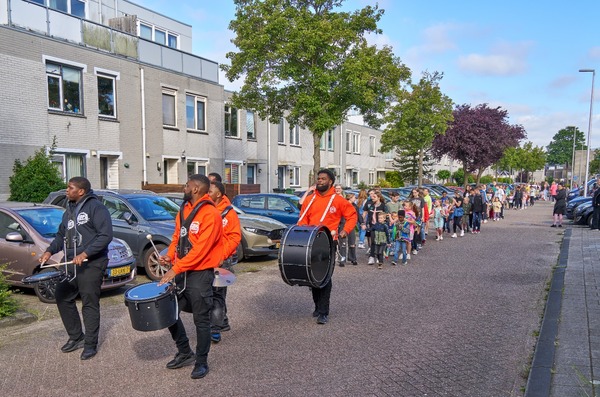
<point>454,235</point>
<point>462,233</point>
<point>415,252</point>
<point>371,260</point>
<point>361,246</point>
<point>485,221</point>
<point>441,237</point>
<point>437,238</point>
<point>407,256</point>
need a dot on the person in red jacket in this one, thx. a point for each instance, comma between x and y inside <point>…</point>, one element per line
<point>326,208</point>
<point>197,237</point>
<point>232,237</point>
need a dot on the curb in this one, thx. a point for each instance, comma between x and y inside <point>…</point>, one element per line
<point>19,318</point>
<point>540,376</point>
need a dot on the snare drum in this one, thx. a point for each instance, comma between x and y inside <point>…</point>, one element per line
<point>307,256</point>
<point>51,276</point>
<point>152,307</point>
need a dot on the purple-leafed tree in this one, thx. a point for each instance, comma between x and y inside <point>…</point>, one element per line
<point>477,137</point>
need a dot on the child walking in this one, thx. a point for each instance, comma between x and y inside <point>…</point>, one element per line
<point>380,234</point>
<point>497,208</point>
<point>411,217</point>
<point>438,219</point>
<point>402,243</point>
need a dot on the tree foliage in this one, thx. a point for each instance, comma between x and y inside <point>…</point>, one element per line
<point>478,137</point>
<point>406,162</point>
<point>525,158</point>
<point>303,61</point>
<point>560,148</point>
<point>444,175</point>
<point>33,180</point>
<point>394,178</point>
<point>420,115</point>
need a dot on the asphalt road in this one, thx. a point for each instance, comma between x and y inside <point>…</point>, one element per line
<point>459,320</point>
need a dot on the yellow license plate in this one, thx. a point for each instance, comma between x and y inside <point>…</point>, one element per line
<point>119,271</point>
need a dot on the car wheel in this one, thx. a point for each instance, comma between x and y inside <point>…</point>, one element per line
<point>589,220</point>
<point>154,270</point>
<point>46,290</point>
<point>577,220</point>
<point>240,251</point>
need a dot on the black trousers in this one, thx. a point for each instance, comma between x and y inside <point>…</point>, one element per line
<point>322,296</point>
<point>596,218</point>
<point>197,298</point>
<point>87,285</point>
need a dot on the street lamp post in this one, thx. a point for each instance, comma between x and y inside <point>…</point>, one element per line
<point>587,160</point>
<point>573,160</point>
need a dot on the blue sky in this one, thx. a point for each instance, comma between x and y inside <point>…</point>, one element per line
<point>521,55</point>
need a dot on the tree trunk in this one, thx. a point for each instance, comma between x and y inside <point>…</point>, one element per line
<point>466,179</point>
<point>316,156</point>
<point>420,173</point>
<point>479,172</point>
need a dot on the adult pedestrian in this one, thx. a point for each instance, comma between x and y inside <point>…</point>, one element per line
<point>232,238</point>
<point>196,249</point>
<point>560,205</point>
<point>478,207</point>
<point>374,206</point>
<point>84,234</point>
<point>326,208</point>
<point>596,204</point>
<point>361,200</point>
<point>553,190</point>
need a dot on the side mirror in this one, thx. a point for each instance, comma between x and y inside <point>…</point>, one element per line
<point>288,209</point>
<point>128,216</point>
<point>14,237</point>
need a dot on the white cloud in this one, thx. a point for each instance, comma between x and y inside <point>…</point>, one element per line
<point>504,60</point>
<point>594,53</point>
<point>436,39</point>
<point>562,82</point>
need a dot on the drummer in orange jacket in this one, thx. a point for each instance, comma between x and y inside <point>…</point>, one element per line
<point>198,234</point>
<point>326,208</point>
<point>232,236</point>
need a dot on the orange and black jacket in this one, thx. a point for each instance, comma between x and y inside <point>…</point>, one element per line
<point>205,235</point>
<point>340,208</point>
<point>232,230</point>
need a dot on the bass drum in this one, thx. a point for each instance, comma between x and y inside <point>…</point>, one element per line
<point>307,256</point>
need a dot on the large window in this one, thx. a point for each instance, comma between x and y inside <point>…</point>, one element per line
<point>196,167</point>
<point>195,112</point>
<point>251,174</point>
<point>295,135</point>
<point>73,7</point>
<point>64,88</point>
<point>232,173</point>
<point>158,35</point>
<point>70,164</point>
<point>294,176</point>
<point>231,121</point>
<point>250,125</point>
<point>169,108</point>
<point>371,178</point>
<point>356,143</point>
<point>348,141</point>
<point>281,131</point>
<point>106,96</point>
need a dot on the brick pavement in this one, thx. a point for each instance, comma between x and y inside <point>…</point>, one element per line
<point>459,320</point>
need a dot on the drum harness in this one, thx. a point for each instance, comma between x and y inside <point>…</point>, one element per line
<point>233,258</point>
<point>324,212</point>
<point>184,245</point>
<point>76,239</point>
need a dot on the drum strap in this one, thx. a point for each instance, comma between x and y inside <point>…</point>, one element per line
<point>226,211</point>
<point>324,212</point>
<point>184,242</point>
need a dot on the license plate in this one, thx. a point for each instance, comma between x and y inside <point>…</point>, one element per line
<point>119,271</point>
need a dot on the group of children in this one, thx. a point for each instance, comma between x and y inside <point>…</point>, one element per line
<point>397,235</point>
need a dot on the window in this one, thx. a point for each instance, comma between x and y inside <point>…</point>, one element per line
<point>64,88</point>
<point>231,121</point>
<point>169,109</point>
<point>232,173</point>
<point>78,8</point>
<point>348,141</point>
<point>356,143</point>
<point>281,131</point>
<point>327,141</point>
<point>70,165</point>
<point>371,178</point>
<point>159,35</point>
<point>295,135</point>
<point>251,174</point>
<point>196,167</point>
<point>106,96</point>
<point>371,146</point>
<point>195,112</point>
<point>294,176</point>
<point>250,126</point>
<point>117,208</point>
<point>73,7</point>
<point>354,178</point>
<point>253,202</point>
<point>275,203</point>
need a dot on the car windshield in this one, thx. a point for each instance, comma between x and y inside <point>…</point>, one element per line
<point>295,200</point>
<point>44,220</point>
<point>154,208</point>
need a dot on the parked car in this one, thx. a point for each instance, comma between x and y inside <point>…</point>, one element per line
<point>573,204</point>
<point>135,215</point>
<point>583,214</point>
<point>579,192</point>
<point>261,236</point>
<point>283,207</point>
<point>27,230</point>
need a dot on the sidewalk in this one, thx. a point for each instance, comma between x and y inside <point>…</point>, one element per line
<point>566,361</point>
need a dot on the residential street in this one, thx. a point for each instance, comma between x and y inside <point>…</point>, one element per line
<point>459,320</point>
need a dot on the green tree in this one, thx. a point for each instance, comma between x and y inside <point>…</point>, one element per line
<point>420,115</point>
<point>394,178</point>
<point>560,149</point>
<point>33,180</point>
<point>444,175</point>
<point>406,162</point>
<point>302,60</point>
<point>595,163</point>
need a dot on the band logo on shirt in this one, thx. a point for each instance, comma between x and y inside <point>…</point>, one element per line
<point>195,227</point>
<point>82,218</point>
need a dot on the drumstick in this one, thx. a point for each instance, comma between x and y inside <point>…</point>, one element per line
<point>149,237</point>
<point>43,265</point>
